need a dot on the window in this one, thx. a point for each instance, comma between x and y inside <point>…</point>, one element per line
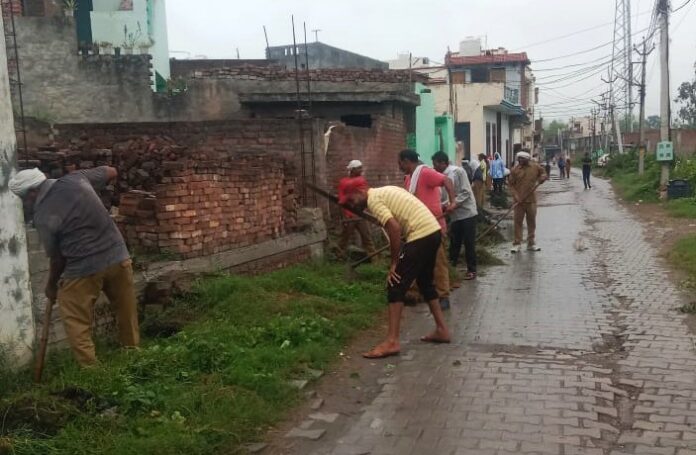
<point>359,120</point>
<point>494,135</point>
<point>497,74</point>
<point>479,75</point>
<point>488,138</point>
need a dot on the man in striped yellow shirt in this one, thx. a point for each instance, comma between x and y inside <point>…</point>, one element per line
<point>401,213</point>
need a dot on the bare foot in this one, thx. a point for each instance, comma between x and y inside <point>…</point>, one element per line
<point>386,349</point>
<point>438,336</point>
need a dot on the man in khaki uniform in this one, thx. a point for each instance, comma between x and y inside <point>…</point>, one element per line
<point>86,250</point>
<point>522,181</point>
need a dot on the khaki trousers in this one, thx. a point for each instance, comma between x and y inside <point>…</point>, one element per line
<point>479,190</point>
<point>363,228</point>
<point>441,276</point>
<point>76,298</point>
<point>526,210</point>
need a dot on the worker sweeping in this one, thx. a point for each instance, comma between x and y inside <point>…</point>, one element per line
<point>86,250</point>
<point>351,222</point>
<point>413,260</point>
<point>523,180</point>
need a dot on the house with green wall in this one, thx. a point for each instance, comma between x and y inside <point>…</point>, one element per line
<point>433,132</point>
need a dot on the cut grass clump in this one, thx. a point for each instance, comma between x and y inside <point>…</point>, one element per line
<point>215,378</point>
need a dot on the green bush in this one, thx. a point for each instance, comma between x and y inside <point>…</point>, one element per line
<point>686,169</point>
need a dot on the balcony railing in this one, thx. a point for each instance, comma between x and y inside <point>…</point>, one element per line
<point>512,95</point>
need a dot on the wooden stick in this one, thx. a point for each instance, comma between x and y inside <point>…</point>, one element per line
<point>41,355</point>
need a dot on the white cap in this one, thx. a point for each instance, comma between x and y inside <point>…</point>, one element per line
<point>26,180</point>
<point>354,164</point>
<point>524,155</point>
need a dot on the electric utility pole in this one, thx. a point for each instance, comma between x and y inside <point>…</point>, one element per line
<point>612,114</point>
<point>641,91</point>
<point>663,11</point>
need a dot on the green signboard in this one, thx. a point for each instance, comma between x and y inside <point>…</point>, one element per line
<point>665,151</point>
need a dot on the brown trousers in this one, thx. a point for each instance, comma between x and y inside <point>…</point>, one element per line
<point>441,276</point>
<point>76,298</point>
<point>479,190</point>
<point>363,228</point>
<point>526,210</point>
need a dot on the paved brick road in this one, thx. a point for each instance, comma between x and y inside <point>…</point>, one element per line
<point>577,349</point>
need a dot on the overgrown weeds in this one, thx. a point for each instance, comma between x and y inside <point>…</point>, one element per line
<point>216,382</point>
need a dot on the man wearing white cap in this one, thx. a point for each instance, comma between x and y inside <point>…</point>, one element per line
<point>351,223</point>
<point>87,253</point>
<point>523,180</point>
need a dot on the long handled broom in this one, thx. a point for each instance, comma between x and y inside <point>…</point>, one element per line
<point>43,344</point>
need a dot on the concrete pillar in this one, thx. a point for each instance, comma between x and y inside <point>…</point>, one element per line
<point>16,319</point>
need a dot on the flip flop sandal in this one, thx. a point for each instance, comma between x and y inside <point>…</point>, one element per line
<point>429,339</point>
<point>380,354</point>
<point>470,276</point>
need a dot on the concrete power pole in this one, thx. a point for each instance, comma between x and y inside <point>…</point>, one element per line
<point>641,121</point>
<point>664,85</point>
<point>16,319</point>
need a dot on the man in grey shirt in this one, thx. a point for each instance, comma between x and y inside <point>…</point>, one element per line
<point>86,250</point>
<point>462,228</point>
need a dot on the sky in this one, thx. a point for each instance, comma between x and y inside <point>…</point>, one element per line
<point>548,30</point>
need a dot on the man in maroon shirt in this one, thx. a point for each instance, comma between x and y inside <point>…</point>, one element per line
<point>426,184</point>
<point>351,222</point>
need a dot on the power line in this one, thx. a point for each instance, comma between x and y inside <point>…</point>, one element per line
<point>682,6</point>
<point>583,51</point>
<point>568,35</point>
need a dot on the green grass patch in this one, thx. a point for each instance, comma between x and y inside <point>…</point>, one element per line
<point>682,208</point>
<point>683,257</point>
<point>219,382</point>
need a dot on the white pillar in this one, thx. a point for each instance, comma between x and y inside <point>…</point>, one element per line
<point>16,319</point>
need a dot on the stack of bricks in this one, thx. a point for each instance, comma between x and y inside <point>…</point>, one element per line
<point>202,208</point>
<point>139,151</point>
<point>274,73</point>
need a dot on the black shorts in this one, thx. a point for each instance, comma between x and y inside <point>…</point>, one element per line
<point>416,263</point>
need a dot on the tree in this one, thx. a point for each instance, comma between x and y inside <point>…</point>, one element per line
<point>551,131</point>
<point>625,121</point>
<point>686,98</point>
<point>653,122</point>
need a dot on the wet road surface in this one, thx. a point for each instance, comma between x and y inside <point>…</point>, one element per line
<point>577,349</point>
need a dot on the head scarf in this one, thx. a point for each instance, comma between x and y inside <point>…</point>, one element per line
<point>26,180</point>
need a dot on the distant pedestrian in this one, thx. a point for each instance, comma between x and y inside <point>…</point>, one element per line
<point>401,213</point>
<point>86,250</point>
<point>561,166</point>
<point>478,184</point>
<point>426,183</point>
<point>548,168</point>
<point>485,170</point>
<point>351,222</point>
<point>524,178</point>
<point>586,170</point>
<point>498,174</point>
<point>462,227</point>
<point>567,167</point>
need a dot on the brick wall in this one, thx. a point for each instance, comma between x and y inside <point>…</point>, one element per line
<point>684,140</point>
<point>11,8</point>
<point>271,72</point>
<point>203,208</point>
<point>376,147</point>
<point>143,152</point>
